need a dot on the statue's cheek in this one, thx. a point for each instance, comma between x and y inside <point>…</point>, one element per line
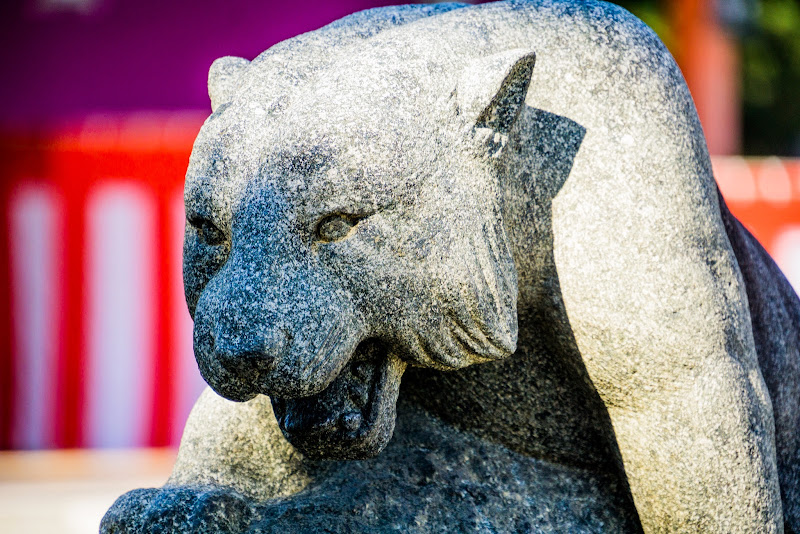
<point>200,263</point>
<point>358,263</point>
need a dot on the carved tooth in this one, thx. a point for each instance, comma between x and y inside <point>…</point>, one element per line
<point>351,421</point>
<point>328,424</point>
<point>359,393</point>
<point>361,370</point>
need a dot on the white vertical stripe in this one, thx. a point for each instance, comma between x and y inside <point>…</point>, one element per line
<point>774,184</point>
<point>786,251</point>
<point>735,178</point>
<point>33,282</point>
<point>188,383</point>
<point>120,253</point>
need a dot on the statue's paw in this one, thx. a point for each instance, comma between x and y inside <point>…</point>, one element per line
<point>179,510</point>
<point>125,515</point>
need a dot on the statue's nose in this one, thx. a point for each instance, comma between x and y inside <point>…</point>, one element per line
<point>251,350</point>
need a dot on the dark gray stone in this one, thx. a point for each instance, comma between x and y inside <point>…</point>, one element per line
<point>520,185</point>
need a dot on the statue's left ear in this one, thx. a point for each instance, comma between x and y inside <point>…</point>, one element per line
<point>491,92</point>
<point>222,79</point>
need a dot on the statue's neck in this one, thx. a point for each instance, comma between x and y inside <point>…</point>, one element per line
<point>540,401</point>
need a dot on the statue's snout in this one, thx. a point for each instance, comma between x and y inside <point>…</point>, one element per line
<point>259,350</point>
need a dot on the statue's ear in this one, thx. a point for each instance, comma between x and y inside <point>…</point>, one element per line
<point>222,79</point>
<point>491,92</point>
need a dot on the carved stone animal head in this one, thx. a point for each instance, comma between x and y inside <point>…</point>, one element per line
<point>344,224</point>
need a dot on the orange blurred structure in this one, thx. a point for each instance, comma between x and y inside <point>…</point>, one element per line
<point>764,193</point>
<point>707,55</point>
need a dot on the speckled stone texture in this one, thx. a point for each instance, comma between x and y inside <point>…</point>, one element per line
<point>466,269</point>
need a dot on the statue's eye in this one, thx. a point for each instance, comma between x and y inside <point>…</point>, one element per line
<point>207,231</point>
<point>335,227</point>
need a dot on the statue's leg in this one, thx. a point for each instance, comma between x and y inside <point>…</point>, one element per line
<point>658,308</point>
<point>775,314</point>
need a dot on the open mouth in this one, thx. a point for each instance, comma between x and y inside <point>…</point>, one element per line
<point>353,418</point>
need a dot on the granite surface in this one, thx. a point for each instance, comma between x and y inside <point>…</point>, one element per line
<point>465,268</point>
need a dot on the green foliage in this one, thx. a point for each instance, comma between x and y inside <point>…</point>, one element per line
<point>771,80</point>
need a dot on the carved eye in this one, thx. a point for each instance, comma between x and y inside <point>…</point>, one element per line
<point>335,227</point>
<point>207,231</point>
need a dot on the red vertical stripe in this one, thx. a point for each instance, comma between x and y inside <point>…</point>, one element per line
<point>166,171</point>
<point>164,357</point>
<point>73,171</point>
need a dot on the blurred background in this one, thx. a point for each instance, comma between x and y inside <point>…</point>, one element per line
<point>101,102</point>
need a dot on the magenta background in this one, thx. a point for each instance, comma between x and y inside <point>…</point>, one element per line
<point>137,54</point>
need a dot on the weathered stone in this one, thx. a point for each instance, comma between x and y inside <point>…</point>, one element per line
<point>404,192</point>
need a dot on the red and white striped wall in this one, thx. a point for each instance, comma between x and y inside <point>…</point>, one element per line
<point>95,338</point>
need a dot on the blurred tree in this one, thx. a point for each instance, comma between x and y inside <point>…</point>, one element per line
<point>771,79</point>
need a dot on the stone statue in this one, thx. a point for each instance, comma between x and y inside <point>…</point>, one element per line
<point>588,340</point>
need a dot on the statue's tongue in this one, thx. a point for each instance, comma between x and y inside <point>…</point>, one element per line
<point>353,418</point>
